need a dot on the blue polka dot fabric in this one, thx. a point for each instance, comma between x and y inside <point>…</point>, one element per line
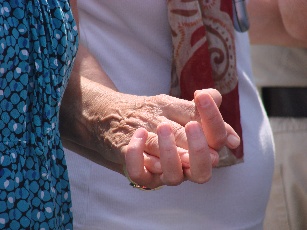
<point>38,44</point>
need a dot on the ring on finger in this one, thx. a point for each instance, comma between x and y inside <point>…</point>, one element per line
<point>135,185</point>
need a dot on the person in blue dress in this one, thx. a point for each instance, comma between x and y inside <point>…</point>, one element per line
<point>38,44</point>
<point>38,47</point>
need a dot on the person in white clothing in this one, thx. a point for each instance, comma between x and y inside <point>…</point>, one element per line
<point>281,75</point>
<point>132,42</point>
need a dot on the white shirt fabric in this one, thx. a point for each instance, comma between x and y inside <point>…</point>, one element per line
<point>132,41</point>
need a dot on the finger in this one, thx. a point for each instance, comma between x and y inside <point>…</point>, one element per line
<point>182,111</point>
<point>179,134</point>
<point>178,110</point>
<point>199,154</point>
<point>152,143</point>
<point>170,160</point>
<point>214,155</point>
<point>134,157</point>
<point>215,94</point>
<point>211,120</point>
<point>152,163</point>
<point>233,139</point>
<point>185,157</point>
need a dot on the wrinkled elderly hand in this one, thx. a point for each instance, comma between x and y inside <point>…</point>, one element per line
<point>98,122</point>
<point>118,119</point>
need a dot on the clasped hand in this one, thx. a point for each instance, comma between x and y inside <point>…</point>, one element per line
<point>186,153</point>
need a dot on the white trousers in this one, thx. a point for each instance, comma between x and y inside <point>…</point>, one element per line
<point>287,207</point>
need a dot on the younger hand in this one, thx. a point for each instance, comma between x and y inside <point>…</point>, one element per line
<point>175,164</point>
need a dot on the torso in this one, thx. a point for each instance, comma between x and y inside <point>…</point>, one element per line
<point>236,196</point>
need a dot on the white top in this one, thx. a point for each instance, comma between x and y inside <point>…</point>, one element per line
<point>132,41</point>
<point>279,66</point>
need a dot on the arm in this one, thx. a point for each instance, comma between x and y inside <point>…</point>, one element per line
<point>97,121</point>
<point>278,22</point>
<point>96,118</point>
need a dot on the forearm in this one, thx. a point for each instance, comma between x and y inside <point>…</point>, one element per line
<point>94,116</point>
<point>88,85</point>
<point>77,109</point>
<point>278,22</point>
<point>98,121</point>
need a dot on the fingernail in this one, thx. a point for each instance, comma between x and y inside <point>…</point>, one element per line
<point>140,133</point>
<point>193,129</point>
<point>233,140</point>
<point>203,101</point>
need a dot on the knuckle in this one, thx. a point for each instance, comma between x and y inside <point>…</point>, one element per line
<point>134,175</point>
<point>166,151</point>
<point>200,150</point>
<point>203,179</point>
<point>213,116</point>
<point>219,141</point>
<point>173,180</point>
<point>192,112</point>
<point>162,99</point>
